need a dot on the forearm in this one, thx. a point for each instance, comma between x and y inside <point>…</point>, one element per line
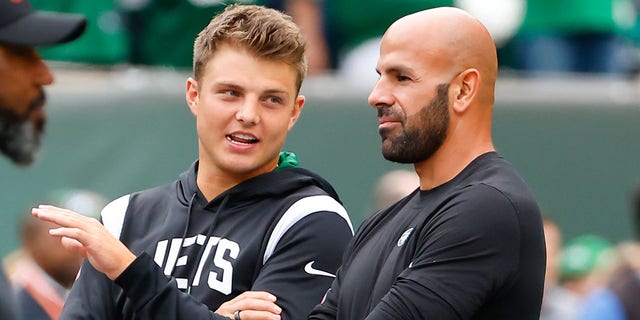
<point>154,296</point>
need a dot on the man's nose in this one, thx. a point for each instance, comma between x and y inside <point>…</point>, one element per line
<point>248,112</point>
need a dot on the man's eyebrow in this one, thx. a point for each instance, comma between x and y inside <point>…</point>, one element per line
<point>227,84</point>
<point>234,86</point>
<point>398,69</point>
<point>275,91</point>
<point>393,69</point>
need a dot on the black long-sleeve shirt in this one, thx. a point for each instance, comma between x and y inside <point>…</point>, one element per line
<point>472,248</point>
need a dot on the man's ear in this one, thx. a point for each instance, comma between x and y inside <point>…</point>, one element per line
<point>297,109</point>
<point>191,95</point>
<point>467,85</point>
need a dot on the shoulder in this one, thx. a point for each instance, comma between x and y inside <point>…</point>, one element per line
<point>114,213</point>
<point>307,205</point>
<point>321,206</point>
<point>495,172</point>
<point>483,204</point>
<point>476,214</point>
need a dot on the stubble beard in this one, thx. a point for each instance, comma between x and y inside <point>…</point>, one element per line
<point>422,134</point>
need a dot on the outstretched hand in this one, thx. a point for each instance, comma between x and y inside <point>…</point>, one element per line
<point>254,305</point>
<point>108,255</point>
<point>88,237</point>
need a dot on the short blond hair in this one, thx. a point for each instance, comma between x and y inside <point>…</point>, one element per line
<point>265,32</point>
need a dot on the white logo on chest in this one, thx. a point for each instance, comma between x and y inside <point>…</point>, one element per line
<point>403,238</point>
<point>224,250</point>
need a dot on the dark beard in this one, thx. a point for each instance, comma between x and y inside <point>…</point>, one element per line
<point>422,134</point>
<point>19,138</point>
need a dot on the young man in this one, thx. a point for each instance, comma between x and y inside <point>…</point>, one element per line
<point>23,74</point>
<point>468,244</point>
<point>242,218</point>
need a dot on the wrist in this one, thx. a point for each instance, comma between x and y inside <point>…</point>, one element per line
<point>123,263</point>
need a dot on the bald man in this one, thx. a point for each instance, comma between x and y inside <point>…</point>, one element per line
<point>468,244</point>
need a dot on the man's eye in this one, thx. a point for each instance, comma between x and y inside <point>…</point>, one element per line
<point>403,78</point>
<point>276,100</point>
<point>228,94</point>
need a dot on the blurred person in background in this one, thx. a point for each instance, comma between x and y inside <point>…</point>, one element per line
<point>162,32</point>
<point>393,186</point>
<point>43,271</point>
<point>310,15</point>
<point>619,300</point>
<point>586,265</point>
<point>23,75</point>
<point>575,36</point>
<point>557,302</point>
<point>105,41</point>
<point>354,29</point>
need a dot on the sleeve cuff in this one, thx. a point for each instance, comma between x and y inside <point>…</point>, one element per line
<point>142,280</point>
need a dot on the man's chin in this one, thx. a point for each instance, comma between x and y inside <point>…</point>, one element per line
<point>21,159</point>
<point>21,144</point>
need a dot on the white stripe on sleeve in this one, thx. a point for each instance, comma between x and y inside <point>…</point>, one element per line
<point>113,215</point>
<point>299,210</point>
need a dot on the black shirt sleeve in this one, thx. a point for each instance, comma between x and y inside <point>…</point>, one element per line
<point>154,296</point>
<point>327,308</point>
<point>304,263</point>
<point>90,296</point>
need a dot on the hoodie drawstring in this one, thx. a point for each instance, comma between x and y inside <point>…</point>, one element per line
<point>208,234</point>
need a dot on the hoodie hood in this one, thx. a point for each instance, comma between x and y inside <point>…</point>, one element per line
<point>284,180</point>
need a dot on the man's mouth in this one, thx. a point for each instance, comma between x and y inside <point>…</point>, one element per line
<point>244,139</point>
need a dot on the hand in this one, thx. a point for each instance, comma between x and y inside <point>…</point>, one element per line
<point>255,305</point>
<point>88,237</point>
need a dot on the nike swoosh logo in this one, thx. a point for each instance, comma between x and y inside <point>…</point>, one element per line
<point>308,268</point>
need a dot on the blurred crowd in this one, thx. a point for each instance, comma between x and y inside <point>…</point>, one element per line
<point>598,36</point>
<point>590,278</point>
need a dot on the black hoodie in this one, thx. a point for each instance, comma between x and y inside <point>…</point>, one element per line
<point>283,232</point>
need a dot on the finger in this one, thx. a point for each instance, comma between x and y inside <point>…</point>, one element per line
<point>257,300</point>
<point>263,295</point>
<point>61,211</point>
<point>257,305</point>
<point>70,233</point>
<point>53,208</point>
<point>64,218</point>
<point>258,315</point>
<point>55,216</point>
<point>70,243</point>
<point>74,245</point>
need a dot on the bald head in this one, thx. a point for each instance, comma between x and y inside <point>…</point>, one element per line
<point>452,40</point>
